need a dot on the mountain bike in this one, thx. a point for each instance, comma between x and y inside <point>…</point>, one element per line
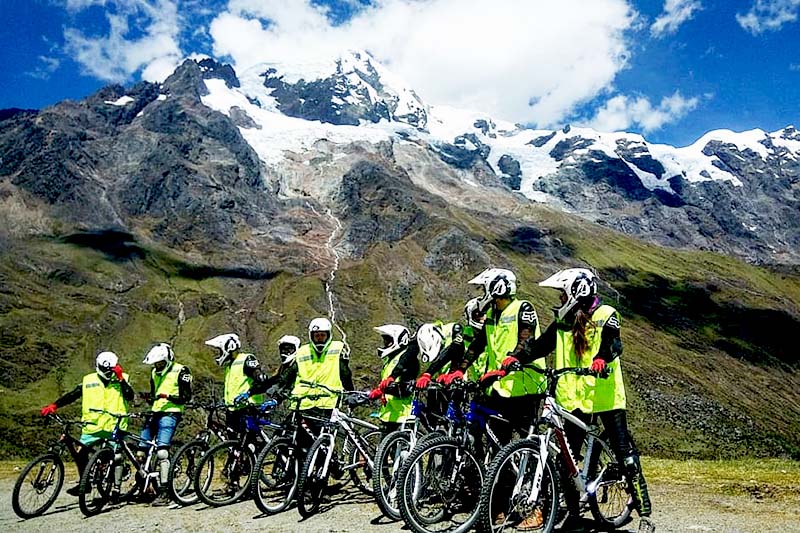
<point>393,450</point>
<point>336,453</point>
<point>277,472</point>
<point>522,491</point>
<point>40,482</point>
<point>183,465</point>
<point>223,473</point>
<point>439,482</point>
<point>114,472</point>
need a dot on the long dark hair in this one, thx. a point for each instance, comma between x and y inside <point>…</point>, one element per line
<point>580,329</point>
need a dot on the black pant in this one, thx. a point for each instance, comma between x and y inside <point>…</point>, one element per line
<point>520,411</point>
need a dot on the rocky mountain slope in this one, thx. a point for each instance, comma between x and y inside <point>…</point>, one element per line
<point>217,202</point>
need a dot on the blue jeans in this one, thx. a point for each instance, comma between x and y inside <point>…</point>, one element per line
<point>163,426</point>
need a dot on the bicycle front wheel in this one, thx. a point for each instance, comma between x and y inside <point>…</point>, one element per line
<point>97,482</point>
<point>38,485</point>
<point>440,484</point>
<point>359,464</point>
<point>313,476</point>
<point>275,477</point>
<point>223,473</point>
<point>609,497</point>
<point>182,472</point>
<point>389,457</point>
<point>514,498</point>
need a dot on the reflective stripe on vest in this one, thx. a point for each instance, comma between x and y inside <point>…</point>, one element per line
<point>318,368</point>
<point>587,393</point>
<point>166,384</point>
<point>502,338</point>
<point>396,409</point>
<point>236,382</point>
<point>96,395</point>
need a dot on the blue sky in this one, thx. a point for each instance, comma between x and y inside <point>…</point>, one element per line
<point>670,70</point>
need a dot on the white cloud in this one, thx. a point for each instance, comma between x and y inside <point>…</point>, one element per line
<point>118,55</point>
<point>47,65</point>
<point>675,13</point>
<point>519,60</point>
<point>623,112</point>
<point>769,15</point>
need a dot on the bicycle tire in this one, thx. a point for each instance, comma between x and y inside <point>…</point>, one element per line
<point>182,470</point>
<point>502,472</point>
<point>389,457</point>
<point>96,482</point>
<point>275,477</point>
<point>362,475</point>
<point>228,467</point>
<point>466,475</point>
<point>612,503</point>
<point>311,485</point>
<point>47,461</point>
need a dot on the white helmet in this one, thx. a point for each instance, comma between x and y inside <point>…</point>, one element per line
<point>105,363</point>
<point>473,314</point>
<point>430,339</point>
<point>579,284</point>
<point>320,324</point>
<point>160,352</point>
<point>497,283</point>
<point>227,343</point>
<point>287,347</point>
<point>394,338</point>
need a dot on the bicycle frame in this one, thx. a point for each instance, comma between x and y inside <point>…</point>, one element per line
<point>119,442</point>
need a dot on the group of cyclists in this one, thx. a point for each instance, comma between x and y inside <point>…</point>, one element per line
<point>499,343</point>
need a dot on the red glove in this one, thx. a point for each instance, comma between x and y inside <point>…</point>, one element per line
<point>163,396</point>
<point>508,361</point>
<point>423,381</point>
<point>385,383</point>
<point>49,409</point>
<point>598,365</point>
<point>493,373</point>
<point>452,376</point>
<point>375,393</point>
<point>118,372</point>
<point>442,378</point>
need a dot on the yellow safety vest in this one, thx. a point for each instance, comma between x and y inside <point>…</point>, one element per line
<point>317,368</point>
<point>587,393</point>
<point>502,338</point>
<point>447,334</point>
<point>166,384</point>
<point>236,382</point>
<point>396,409</point>
<point>96,395</point>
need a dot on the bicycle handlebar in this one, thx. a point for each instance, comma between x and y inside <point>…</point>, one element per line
<point>64,422</point>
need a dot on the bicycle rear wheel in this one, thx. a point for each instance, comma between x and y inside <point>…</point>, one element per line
<point>313,481</point>
<point>97,482</point>
<point>360,471</point>
<point>510,481</point>
<point>440,484</point>
<point>610,502</point>
<point>223,473</point>
<point>38,485</point>
<point>389,457</point>
<point>182,471</point>
<point>275,477</point>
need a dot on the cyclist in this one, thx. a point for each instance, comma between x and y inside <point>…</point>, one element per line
<point>242,372</point>
<point>441,347</point>
<point>107,389</point>
<point>587,333</point>
<point>323,361</point>
<point>509,322</point>
<point>170,391</point>
<point>400,365</point>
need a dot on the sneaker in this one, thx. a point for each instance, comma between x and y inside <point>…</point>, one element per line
<point>500,518</point>
<point>74,490</point>
<point>115,496</point>
<point>162,500</point>
<point>646,525</point>
<point>533,521</point>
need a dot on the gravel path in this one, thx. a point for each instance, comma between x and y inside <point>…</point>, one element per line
<point>678,509</point>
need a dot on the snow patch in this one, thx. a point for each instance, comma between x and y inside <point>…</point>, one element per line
<point>121,101</point>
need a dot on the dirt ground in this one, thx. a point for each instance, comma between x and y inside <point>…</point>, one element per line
<point>676,509</point>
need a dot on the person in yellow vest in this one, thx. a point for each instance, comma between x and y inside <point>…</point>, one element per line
<point>323,361</point>
<point>441,349</point>
<point>170,391</point>
<point>400,366</point>
<point>108,389</point>
<point>509,322</point>
<point>279,385</point>
<point>242,372</point>
<point>586,333</point>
